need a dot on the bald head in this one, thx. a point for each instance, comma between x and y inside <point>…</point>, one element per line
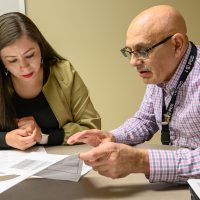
<point>161,20</point>
<point>162,27</point>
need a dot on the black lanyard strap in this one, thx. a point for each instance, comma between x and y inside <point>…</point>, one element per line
<point>167,112</point>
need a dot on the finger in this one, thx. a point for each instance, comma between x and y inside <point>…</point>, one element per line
<point>86,136</point>
<point>34,134</point>
<point>101,168</point>
<point>24,123</point>
<point>77,137</point>
<point>94,154</point>
<point>24,120</point>
<point>24,126</point>
<point>28,139</point>
<point>98,164</point>
<point>22,132</point>
<point>27,145</point>
<point>28,128</point>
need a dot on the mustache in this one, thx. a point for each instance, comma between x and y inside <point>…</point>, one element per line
<point>143,68</point>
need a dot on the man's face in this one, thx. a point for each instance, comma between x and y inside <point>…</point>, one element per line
<point>160,64</point>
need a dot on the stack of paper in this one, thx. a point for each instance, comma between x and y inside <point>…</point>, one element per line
<point>38,163</point>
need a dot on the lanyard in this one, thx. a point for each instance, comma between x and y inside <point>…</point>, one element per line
<point>167,112</point>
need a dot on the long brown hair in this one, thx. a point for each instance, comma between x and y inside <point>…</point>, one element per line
<point>13,25</point>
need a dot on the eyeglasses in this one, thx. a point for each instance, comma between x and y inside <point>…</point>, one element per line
<point>143,53</point>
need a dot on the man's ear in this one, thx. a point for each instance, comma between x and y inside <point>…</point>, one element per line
<point>179,41</point>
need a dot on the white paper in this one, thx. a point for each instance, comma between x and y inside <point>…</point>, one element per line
<point>8,157</point>
<point>27,166</point>
<point>85,169</point>
<point>69,168</point>
<point>16,166</point>
<point>195,185</point>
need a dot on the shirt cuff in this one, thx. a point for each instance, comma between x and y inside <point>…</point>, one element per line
<point>120,136</point>
<point>163,166</point>
<point>44,139</point>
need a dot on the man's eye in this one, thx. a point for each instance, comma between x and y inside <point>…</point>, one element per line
<point>142,51</point>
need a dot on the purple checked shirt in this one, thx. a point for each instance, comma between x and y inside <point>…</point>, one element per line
<point>167,165</point>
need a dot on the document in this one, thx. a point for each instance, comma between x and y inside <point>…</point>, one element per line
<point>27,166</point>
<point>195,188</point>
<point>69,168</point>
<point>40,164</point>
<point>10,156</point>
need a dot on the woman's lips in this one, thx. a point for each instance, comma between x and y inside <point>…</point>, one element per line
<point>28,75</point>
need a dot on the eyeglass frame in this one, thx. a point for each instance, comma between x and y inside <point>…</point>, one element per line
<point>147,51</point>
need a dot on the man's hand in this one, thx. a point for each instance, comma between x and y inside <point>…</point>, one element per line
<point>93,137</point>
<point>117,160</point>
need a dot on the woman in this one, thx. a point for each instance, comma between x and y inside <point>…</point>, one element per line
<point>42,98</point>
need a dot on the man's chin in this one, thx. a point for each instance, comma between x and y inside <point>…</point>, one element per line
<point>150,81</point>
<point>147,81</point>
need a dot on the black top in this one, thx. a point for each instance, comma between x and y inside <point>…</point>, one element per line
<point>39,108</point>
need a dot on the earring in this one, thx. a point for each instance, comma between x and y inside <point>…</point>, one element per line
<point>6,71</point>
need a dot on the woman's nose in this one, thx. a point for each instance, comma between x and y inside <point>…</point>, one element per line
<point>23,63</point>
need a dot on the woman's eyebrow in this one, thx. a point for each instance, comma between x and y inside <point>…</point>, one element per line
<point>23,53</point>
<point>28,50</point>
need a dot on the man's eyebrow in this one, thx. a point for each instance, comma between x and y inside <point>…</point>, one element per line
<point>141,45</point>
<point>138,46</point>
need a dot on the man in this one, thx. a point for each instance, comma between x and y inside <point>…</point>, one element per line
<point>158,48</point>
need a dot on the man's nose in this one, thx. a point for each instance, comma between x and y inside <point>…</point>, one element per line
<point>134,61</point>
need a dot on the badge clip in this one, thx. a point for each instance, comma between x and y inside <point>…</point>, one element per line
<point>166,119</point>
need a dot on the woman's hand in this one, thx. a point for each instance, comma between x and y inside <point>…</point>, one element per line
<point>30,125</point>
<point>20,139</point>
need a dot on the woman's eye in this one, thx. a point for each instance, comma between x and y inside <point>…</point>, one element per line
<point>30,56</point>
<point>12,61</point>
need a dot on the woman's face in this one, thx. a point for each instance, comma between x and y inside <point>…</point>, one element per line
<point>22,59</point>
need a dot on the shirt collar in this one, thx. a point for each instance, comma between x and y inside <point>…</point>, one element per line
<point>170,86</point>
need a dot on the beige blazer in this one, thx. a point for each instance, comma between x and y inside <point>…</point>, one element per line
<point>69,100</point>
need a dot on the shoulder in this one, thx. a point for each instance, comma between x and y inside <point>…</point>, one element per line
<point>151,88</point>
<point>197,61</point>
<point>63,71</point>
<point>152,91</point>
<point>63,67</point>
<point>194,76</point>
